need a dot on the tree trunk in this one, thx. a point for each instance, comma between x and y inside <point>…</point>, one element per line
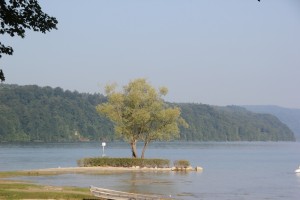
<point>144,149</point>
<point>133,148</point>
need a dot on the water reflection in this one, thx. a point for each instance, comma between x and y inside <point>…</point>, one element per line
<point>147,182</point>
<point>175,184</point>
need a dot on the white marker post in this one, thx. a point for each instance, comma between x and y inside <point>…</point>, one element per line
<point>103,145</point>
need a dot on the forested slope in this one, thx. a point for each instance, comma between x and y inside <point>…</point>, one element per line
<point>289,116</point>
<point>32,113</point>
<point>232,123</point>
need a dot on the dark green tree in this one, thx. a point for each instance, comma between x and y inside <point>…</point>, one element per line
<point>18,15</point>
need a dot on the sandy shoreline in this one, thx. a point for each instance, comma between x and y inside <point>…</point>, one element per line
<point>102,169</point>
<point>89,170</point>
<point>95,169</point>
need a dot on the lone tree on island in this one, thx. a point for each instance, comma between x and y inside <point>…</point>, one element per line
<point>18,15</point>
<point>139,113</point>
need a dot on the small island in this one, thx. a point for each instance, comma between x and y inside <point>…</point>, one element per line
<point>134,164</point>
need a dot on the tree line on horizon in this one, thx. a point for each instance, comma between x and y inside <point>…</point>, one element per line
<point>32,113</point>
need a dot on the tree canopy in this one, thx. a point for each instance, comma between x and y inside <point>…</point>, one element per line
<point>139,113</point>
<point>45,114</point>
<point>18,15</point>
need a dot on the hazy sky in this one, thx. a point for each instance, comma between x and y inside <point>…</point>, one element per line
<point>217,52</point>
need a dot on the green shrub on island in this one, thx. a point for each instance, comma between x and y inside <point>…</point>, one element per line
<point>180,164</point>
<point>123,162</point>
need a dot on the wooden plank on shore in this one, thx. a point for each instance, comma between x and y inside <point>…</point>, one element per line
<point>119,195</point>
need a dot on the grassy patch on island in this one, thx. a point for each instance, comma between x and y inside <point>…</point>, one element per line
<point>123,162</point>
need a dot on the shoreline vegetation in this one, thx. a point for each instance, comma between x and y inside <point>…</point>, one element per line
<point>140,164</point>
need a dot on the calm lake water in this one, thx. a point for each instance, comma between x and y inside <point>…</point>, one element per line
<point>239,170</point>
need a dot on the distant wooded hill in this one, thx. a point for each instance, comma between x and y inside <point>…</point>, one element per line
<point>291,117</point>
<point>33,113</point>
